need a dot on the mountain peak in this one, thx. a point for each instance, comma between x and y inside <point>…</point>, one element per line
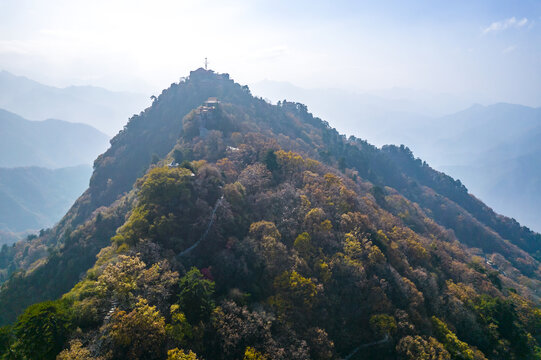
<point>207,74</point>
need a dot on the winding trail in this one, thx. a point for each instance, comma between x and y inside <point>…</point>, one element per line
<point>206,232</point>
<point>204,235</point>
<point>97,348</point>
<point>114,303</point>
<point>382,341</point>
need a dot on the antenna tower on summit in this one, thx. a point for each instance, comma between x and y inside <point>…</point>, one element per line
<point>206,64</point>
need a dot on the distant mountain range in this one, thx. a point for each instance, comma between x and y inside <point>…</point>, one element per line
<point>370,115</point>
<point>32,194</point>
<point>35,198</point>
<point>496,152</point>
<point>49,143</point>
<point>44,167</point>
<point>474,134</point>
<point>106,110</point>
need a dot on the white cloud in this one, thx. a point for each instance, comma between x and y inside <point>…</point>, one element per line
<point>512,22</point>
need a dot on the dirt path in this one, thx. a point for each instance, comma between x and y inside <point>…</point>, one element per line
<point>206,232</point>
<point>382,341</point>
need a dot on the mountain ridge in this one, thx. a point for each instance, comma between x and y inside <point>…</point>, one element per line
<point>331,241</point>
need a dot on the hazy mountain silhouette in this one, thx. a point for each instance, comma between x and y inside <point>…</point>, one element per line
<point>32,198</point>
<point>105,110</point>
<point>498,156</point>
<point>475,133</point>
<point>370,115</point>
<point>49,143</point>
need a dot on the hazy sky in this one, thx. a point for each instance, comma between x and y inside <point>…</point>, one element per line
<point>490,48</point>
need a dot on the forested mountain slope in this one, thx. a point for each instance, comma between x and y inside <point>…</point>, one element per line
<point>241,229</point>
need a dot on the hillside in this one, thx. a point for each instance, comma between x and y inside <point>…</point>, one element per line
<point>33,198</point>
<point>245,230</point>
<point>103,109</point>
<point>492,149</point>
<point>49,143</point>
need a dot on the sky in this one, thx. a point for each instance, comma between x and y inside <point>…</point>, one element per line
<point>489,49</point>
